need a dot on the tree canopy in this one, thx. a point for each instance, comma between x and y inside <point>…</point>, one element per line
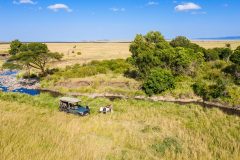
<point>180,41</point>
<point>15,47</point>
<point>152,50</point>
<point>34,55</point>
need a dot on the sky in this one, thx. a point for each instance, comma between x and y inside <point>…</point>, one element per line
<point>80,20</point>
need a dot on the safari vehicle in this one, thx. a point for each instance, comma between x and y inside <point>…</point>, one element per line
<point>71,105</point>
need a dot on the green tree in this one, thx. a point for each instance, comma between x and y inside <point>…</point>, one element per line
<point>35,55</point>
<point>15,47</point>
<point>184,42</point>
<point>147,50</point>
<point>211,55</point>
<point>180,41</point>
<point>182,59</point>
<point>235,57</point>
<point>159,80</point>
<point>197,48</point>
<point>152,50</point>
<point>225,54</point>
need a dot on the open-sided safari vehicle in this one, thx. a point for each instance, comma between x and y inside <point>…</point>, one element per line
<point>71,105</point>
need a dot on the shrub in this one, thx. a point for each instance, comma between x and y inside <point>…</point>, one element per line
<point>79,53</point>
<point>208,92</point>
<point>225,53</point>
<point>218,64</point>
<point>180,41</point>
<point>93,68</point>
<point>238,48</point>
<point>159,80</point>
<point>197,48</point>
<point>217,90</point>
<point>200,89</point>
<point>235,57</point>
<point>117,65</point>
<point>132,73</point>
<point>228,45</point>
<point>32,75</point>
<point>234,71</point>
<point>211,55</point>
<point>168,143</point>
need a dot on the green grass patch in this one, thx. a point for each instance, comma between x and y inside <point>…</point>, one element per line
<point>168,144</point>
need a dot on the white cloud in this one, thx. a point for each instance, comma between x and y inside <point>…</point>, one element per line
<point>187,7</point>
<point>114,9</point>
<point>152,3</point>
<point>57,7</point>
<point>24,2</point>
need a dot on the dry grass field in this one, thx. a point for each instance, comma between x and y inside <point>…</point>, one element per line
<point>214,44</point>
<point>86,52</point>
<point>30,129</point>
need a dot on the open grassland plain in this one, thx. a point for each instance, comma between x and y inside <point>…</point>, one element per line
<point>32,128</point>
<point>217,43</point>
<point>85,52</point>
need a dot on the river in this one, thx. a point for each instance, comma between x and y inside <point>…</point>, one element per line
<point>10,83</point>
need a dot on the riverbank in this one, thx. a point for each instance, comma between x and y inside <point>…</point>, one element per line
<point>9,82</point>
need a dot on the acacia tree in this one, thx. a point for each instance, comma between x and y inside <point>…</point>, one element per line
<point>35,55</point>
<point>15,47</point>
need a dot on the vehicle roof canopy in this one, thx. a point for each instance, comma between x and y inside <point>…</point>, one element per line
<point>70,100</point>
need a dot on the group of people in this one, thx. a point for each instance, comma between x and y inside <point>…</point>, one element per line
<point>108,108</point>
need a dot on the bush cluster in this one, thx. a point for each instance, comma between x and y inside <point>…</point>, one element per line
<point>212,91</point>
<point>94,68</point>
<point>159,63</point>
<point>159,80</point>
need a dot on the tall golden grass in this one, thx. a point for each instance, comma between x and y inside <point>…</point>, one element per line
<point>102,51</point>
<point>136,130</point>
